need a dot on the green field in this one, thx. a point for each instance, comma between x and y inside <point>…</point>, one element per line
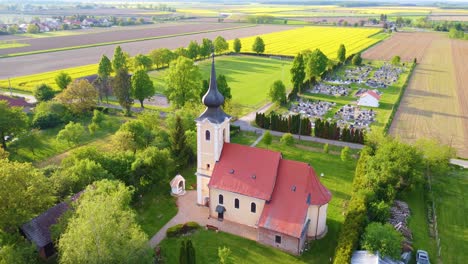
<point>27,83</point>
<point>249,77</point>
<point>9,44</point>
<point>338,176</point>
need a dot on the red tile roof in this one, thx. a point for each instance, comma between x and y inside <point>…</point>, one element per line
<point>15,101</point>
<point>371,93</point>
<point>286,212</point>
<point>246,170</point>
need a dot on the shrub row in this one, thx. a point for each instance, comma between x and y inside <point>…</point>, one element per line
<point>330,130</point>
<point>289,124</point>
<point>182,229</point>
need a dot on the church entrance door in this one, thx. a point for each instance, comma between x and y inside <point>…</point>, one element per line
<point>220,216</point>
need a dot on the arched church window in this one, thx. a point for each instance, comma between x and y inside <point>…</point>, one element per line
<point>220,199</point>
<point>253,207</point>
<point>236,203</point>
<point>207,135</point>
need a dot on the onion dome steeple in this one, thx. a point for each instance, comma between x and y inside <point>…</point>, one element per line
<point>213,99</point>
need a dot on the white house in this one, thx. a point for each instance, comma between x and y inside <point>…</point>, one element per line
<point>369,98</point>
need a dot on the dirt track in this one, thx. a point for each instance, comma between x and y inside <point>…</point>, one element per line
<point>435,104</point>
<point>31,64</point>
<point>111,34</point>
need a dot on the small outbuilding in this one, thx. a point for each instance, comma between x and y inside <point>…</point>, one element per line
<point>178,185</point>
<point>369,98</point>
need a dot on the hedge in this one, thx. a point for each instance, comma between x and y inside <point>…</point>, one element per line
<point>288,124</point>
<point>182,229</point>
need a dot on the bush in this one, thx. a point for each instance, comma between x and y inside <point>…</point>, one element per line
<point>287,139</point>
<point>182,229</point>
<point>44,92</point>
<point>50,114</point>
<point>325,148</point>
<point>382,238</point>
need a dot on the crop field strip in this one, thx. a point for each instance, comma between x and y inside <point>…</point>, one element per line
<point>435,102</point>
<point>327,39</point>
<point>112,37</point>
<point>46,62</point>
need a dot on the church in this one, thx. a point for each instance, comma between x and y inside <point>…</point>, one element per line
<point>282,199</point>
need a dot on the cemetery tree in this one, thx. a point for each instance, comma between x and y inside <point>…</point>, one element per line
<point>357,60</point>
<point>44,93</point>
<point>258,45</point>
<point>396,60</point>
<point>115,237</point>
<point>120,60</point>
<point>122,86</point>
<point>193,50</point>
<point>237,45</point>
<point>12,121</point>
<point>183,82</point>
<point>341,56</point>
<point>142,86</point>
<point>141,61</point>
<point>72,133</point>
<point>80,97</point>
<point>24,191</point>
<point>206,47</point>
<point>316,64</point>
<point>63,80</point>
<point>104,71</point>
<point>267,138</point>
<point>220,44</point>
<point>298,73</point>
<point>383,238</point>
<point>277,92</point>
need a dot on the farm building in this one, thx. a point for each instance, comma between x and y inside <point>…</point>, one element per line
<point>369,98</point>
<point>248,185</point>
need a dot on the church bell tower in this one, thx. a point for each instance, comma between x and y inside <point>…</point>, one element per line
<point>212,132</point>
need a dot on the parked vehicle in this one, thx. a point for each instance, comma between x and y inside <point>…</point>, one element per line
<point>422,257</point>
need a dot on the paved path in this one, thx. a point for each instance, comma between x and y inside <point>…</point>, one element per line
<point>29,98</point>
<point>459,162</point>
<point>245,125</point>
<point>190,211</point>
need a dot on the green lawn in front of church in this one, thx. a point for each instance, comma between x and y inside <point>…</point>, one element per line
<point>249,77</point>
<point>338,177</point>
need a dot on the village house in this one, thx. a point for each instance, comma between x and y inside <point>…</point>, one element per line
<point>369,98</point>
<point>282,199</point>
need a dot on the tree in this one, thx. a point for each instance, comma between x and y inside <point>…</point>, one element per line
<point>133,135</point>
<point>223,88</point>
<point>287,139</point>
<point>119,61</point>
<point>103,228</point>
<point>316,64</point>
<point>220,44</point>
<point>141,61</point>
<point>12,121</point>
<point>15,249</point>
<point>382,238</point>
<point>80,97</point>
<point>206,47</point>
<point>225,255</point>
<point>190,252</point>
<point>183,82</point>
<point>345,153</point>
<point>142,86</point>
<point>396,60</point>
<point>341,56</point>
<point>161,57</point>
<point>152,166</point>
<point>267,138</point>
<point>32,29</point>
<point>357,60</point>
<point>24,192</point>
<point>71,133</point>
<point>123,89</point>
<point>193,50</point>
<point>104,71</point>
<point>277,92</point>
<point>43,93</point>
<point>13,29</point>
<point>237,45</point>
<point>187,252</point>
<point>436,156</point>
<point>298,73</point>
<point>325,148</point>
<point>63,80</point>
<point>31,140</point>
<point>181,52</point>
<point>179,149</point>
<point>50,114</point>
<point>4,154</point>
<point>258,45</point>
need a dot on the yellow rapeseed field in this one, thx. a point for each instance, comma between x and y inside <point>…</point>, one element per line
<point>327,39</point>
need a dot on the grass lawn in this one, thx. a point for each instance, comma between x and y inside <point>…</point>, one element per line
<point>388,98</point>
<point>249,77</point>
<point>338,176</point>
<point>50,147</point>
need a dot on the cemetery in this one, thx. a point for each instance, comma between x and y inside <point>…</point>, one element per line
<point>327,89</point>
<point>355,117</point>
<point>312,109</point>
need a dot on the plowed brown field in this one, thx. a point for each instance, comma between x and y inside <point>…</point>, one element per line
<point>435,104</point>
